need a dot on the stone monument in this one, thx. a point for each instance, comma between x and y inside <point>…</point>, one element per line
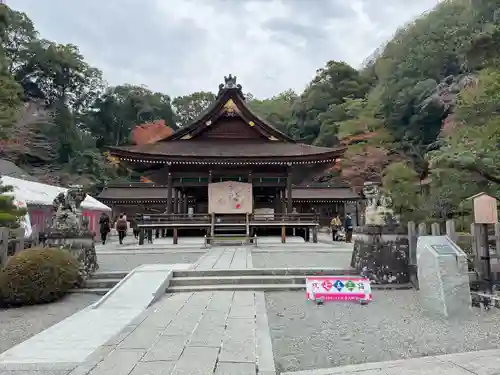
<point>381,245</point>
<point>70,229</point>
<point>443,278</point>
<point>378,209</point>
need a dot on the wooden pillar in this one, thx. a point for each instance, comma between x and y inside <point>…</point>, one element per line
<point>169,193</point>
<point>277,202</point>
<point>283,203</point>
<point>283,234</point>
<point>289,202</point>
<point>175,203</point>
<point>184,203</point>
<point>249,178</point>
<point>357,213</point>
<point>483,255</point>
<point>175,236</point>
<point>142,234</point>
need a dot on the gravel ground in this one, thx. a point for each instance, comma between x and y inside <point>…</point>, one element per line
<point>127,262</point>
<point>277,259</point>
<point>393,326</point>
<point>19,324</point>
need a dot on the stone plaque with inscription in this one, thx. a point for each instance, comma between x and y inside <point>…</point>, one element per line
<point>443,277</point>
<point>485,209</point>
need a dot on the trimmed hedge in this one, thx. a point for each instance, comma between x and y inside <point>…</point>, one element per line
<point>38,275</point>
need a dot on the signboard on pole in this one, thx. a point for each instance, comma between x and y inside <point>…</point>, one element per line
<point>338,288</point>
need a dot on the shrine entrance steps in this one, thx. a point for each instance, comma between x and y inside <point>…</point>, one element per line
<point>249,279</point>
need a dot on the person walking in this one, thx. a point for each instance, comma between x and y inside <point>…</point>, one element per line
<point>121,227</point>
<point>105,227</point>
<point>348,228</point>
<point>134,223</point>
<point>335,225</point>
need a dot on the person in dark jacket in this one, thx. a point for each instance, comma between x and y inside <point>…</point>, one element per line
<point>135,228</point>
<point>121,227</point>
<point>348,227</point>
<point>105,227</point>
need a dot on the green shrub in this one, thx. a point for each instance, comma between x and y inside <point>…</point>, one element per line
<point>38,275</point>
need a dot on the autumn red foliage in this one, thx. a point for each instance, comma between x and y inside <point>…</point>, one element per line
<point>357,138</point>
<point>365,164</point>
<point>150,132</point>
<point>449,126</point>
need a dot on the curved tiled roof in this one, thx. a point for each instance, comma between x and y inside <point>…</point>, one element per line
<point>226,148</point>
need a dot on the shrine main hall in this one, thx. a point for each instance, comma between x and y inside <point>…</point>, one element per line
<point>230,162</point>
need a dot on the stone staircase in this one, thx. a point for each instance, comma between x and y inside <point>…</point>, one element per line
<point>257,279</point>
<point>101,282</point>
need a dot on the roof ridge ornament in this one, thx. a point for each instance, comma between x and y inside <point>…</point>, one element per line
<point>229,83</point>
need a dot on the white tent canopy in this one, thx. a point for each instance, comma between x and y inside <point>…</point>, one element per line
<point>36,193</point>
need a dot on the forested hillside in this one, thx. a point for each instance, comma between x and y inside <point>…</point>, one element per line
<point>423,109</point>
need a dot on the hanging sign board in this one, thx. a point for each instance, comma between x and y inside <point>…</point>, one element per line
<point>485,209</point>
<point>338,288</point>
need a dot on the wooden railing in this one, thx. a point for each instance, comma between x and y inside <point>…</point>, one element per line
<point>285,217</point>
<point>12,241</point>
<point>237,219</point>
<point>174,218</point>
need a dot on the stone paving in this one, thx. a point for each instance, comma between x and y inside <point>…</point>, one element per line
<point>126,257</point>
<point>485,362</point>
<point>219,333</point>
<point>201,333</point>
<point>75,338</point>
<point>196,334</point>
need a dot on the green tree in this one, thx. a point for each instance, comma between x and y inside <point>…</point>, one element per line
<point>474,144</point>
<point>317,109</point>
<point>401,182</point>
<point>188,108</point>
<point>113,115</point>
<point>10,91</point>
<point>20,33</point>
<point>9,212</point>
<point>276,110</point>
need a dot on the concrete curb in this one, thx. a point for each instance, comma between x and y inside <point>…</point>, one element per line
<point>265,356</point>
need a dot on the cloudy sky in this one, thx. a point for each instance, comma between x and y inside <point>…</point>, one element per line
<point>182,46</point>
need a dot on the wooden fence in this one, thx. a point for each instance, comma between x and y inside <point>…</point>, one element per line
<point>471,243</point>
<point>12,241</point>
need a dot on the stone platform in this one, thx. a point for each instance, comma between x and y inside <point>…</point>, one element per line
<point>71,341</point>
<point>193,333</point>
<point>485,362</point>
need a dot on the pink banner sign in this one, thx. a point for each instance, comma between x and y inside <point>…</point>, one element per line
<point>338,288</point>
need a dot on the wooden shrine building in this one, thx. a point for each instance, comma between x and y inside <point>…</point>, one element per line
<point>264,169</point>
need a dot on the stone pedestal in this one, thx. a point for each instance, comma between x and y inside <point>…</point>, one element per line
<point>382,253</point>
<point>80,244</point>
<point>443,277</point>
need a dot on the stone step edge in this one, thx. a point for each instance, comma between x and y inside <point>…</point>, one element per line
<point>243,277</point>
<point>98,291</point>
<point>173,289</point>
<point>103,280</point>
<point>109,275</point>
<point>194,288</point>
<point>266,272</point>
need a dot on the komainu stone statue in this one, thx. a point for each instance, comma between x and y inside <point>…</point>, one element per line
<point>378,209</point>
<point>70,229</point>
<point>67,215</point>
<point>381,245</point>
